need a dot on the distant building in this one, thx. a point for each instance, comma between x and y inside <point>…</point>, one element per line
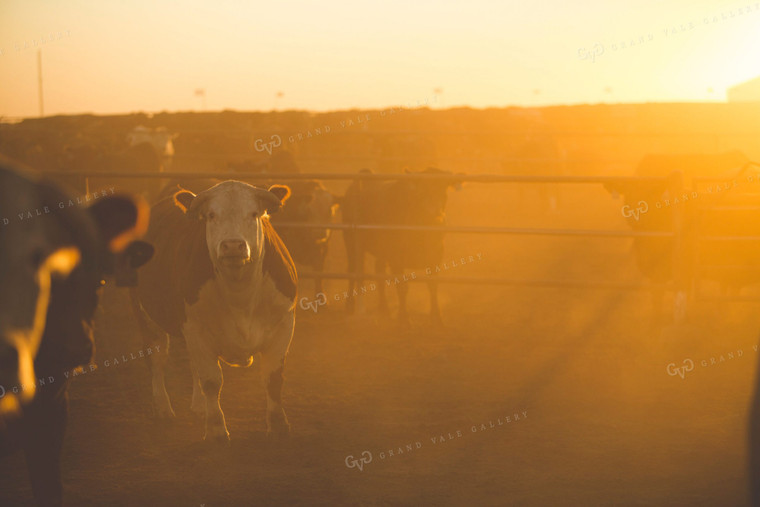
<point>745,92</point>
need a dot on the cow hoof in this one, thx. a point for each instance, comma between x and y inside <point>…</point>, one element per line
<point>199,409</point>
<point>222,440</point>
<point>278,434</point>
<point>165,414</point>
<point>218,436</point>
<point>278,427</point>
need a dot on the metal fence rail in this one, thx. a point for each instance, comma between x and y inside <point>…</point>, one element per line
<point>482,230</point>
<point>477,280</point>
<point>474,178</point>
<point>460,177</point>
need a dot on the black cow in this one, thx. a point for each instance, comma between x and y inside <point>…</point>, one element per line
<point>53,256</point>
<point>403,202</point>
<point>310,203</point>
<point>704,209</point>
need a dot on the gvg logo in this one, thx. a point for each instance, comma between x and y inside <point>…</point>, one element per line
<point>688,365</point>
<point>365,459</point>
<point>591,54</point>
<point>641,208</point>
<point>313,305</point>
<point>275,141</point>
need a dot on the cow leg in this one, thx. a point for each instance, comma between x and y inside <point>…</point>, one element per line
<point>319,266</point>
<point>42,434</point>
<point>380,270</point>
<point>157,342</point>
<point>357,282</point>
<point>210,376</point>
<point>211,382</point>
<point>206,368</point>
<point>318,287</point>
<point>435,310</point>
<point>272,366</point>
<point>402,289</point>
<point>161,402</point>
<point>198,405</point>
<point>351,257</point>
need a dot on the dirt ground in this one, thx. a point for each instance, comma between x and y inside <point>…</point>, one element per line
<point>601,421</point>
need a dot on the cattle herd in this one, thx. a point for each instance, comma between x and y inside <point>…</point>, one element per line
<point>213,263</point>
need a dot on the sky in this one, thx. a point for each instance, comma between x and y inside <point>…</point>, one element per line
<point>114,56</point>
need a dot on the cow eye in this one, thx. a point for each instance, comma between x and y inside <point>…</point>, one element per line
<point>211,215</point>
<point>254,214</point>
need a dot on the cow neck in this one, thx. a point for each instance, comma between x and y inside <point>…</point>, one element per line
<point>241,291</point>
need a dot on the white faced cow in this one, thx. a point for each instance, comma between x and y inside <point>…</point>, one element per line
<point>223,279</point>
<point>159,138</point>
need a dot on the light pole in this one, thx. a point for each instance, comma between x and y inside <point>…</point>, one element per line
<point>201,92</point>
<point>39,82</point>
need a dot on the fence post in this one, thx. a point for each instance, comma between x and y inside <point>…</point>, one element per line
<point>352,304</point>
<point>680,255</point>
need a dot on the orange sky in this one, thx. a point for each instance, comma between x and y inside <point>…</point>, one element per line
<point>122,56</point>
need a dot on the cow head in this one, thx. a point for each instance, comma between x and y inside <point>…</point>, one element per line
<point>312,203</point>
<point>233,212</point>
<point>640,203</point>
<point>159,138</point>
<point>51,265</point>
<point>427,199</point>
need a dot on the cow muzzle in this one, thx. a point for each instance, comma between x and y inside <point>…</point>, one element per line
<point>234,252</point>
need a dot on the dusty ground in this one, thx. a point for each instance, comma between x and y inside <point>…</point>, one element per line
<point>606,424</point>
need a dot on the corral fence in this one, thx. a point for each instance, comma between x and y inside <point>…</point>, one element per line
<point>478,178</point>
<point>682,280</point>
<point>735,206</point>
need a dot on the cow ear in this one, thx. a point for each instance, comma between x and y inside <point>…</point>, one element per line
<point>281,191</point>
<point>183,199</point>
<point>126,263</point>
<point>274,198</point>
<point>120,219</point>
<point>194,206</point>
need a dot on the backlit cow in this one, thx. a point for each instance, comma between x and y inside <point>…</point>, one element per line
<point>159,138</point>
<point>310,203</point>
<point>538,155</point>
<point>53,256</point>
<point>403,202</point>
<point>223,279</point>
<point>701,209</point>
